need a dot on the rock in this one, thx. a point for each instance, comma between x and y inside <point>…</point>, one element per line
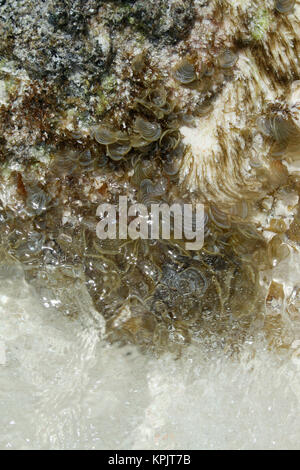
<point>50,39</point>
<point>168,21</point>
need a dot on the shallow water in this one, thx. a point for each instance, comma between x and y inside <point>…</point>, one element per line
<point>62,387</point>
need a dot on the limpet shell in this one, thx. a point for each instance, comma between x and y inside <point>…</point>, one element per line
<point>184,72</point>
<point>104,135</point>
<point>150,131</point>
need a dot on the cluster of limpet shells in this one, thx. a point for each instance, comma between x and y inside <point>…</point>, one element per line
<point>154,294</point>
<point>159,296</point>
<point>186,74</point>
<point>117,143</point>
<point>157,125</point>
<point>157,116</point>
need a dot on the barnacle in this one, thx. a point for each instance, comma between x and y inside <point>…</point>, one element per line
<point>138,141</point>
<point>158,96</point>
<point>286,134</point>
<point>149,131</point>
<point>284,6</point>
<point>155,101</point>
<point>227,59</point>
<point>151,192</point>
<point>280,128</point>
<point>142,170</point>
<point>169,140</point>
<point>105,135</point>
<point>240,210</point>
<point>118,150</point>
<point>219,218</point>
<point>184,72</point>
<point>172,167</point>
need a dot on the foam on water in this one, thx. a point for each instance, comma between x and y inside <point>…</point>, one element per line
<point>61,387</point>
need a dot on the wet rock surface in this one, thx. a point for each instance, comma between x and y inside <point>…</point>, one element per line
<point>163,101</point>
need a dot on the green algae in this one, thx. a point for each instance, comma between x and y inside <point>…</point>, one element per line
<point>261,24</point>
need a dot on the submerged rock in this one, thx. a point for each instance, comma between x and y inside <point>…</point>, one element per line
<point>163,101</point>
